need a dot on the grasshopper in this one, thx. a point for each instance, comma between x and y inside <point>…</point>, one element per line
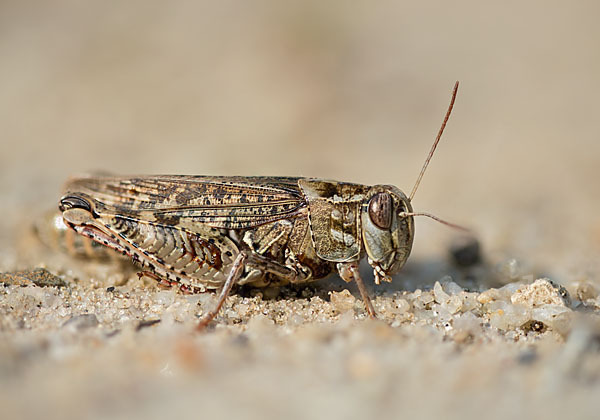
<point>212,232</point>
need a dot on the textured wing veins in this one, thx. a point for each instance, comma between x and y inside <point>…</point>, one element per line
<point>221,202</point>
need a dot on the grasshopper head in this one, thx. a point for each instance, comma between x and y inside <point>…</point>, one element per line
<point>387,231</point>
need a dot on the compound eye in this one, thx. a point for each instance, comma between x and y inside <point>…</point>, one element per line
<point>380,210</point>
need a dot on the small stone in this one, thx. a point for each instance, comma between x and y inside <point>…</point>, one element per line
<point>586,291</point>
<point>535,326</point>
<point>442,315</point>
<point>342,301</point>
<point>439,295</point>
<point>39,276</point>
<point>465,326</point>
<point>557,317</point>
<point>541,292</point>
<point>509,289</point>
<point>469,301</point>
<point>488,296</point>
<point>465,251</point>
<point>505,316</point>
<point>37,293</point>
<point>450,287</point>
<point>503,293</point>
<point>423,315</point>
<point>402,306</point>
<point>453,304</point>
<point>242,309</point>
<point>426,297</point>
<point>413,296</point>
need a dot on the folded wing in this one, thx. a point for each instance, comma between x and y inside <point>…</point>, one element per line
<point>220,202</point>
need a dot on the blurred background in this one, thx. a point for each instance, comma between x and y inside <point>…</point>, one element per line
<point>333,89</point>
<point>352,91</point>
<point>340,90</point>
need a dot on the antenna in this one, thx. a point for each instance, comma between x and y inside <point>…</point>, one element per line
<point>442,221</point>
<point>435,143</point>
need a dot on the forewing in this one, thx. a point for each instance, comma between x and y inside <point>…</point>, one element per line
<point>220,202</point>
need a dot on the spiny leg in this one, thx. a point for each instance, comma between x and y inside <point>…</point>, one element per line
<point>164,283</point>
<point>292,274</point>
<point>349,272</point>
<point>168,284</point>
<point>234,275</point>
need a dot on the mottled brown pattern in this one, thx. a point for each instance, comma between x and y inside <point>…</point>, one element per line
<point>223,202</point>
<point>334,210</point>
<point>190,229</point>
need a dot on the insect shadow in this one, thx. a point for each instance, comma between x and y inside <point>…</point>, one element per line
<point>420,274</point>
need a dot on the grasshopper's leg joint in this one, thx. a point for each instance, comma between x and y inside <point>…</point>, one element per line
<point>349,272</point>
<point>234,275</point>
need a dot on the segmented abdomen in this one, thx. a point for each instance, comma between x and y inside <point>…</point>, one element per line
<point>196,258</point>
<point>52,231</point>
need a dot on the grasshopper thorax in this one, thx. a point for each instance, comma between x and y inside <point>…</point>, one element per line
<point>348,220</point>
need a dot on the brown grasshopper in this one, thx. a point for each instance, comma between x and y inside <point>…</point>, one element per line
<point>210,232</point>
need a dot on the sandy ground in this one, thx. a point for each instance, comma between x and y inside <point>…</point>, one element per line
<point>323,89</point>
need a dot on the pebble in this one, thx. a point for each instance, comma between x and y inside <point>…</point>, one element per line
<point>585,291</point>
<point>505,316</point>
<point>38,276</point>
<point>557,317</point>
<point>541,292</point>
<point>342,301</point>
<point>503,293</point>
<point>466,326</point>
<point>449,286</point>
<point>402,306</point>
<point>438,292</point>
